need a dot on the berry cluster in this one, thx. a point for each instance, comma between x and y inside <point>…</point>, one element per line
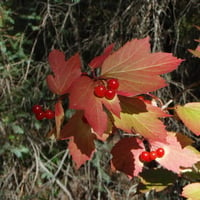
<point>41,114</point>
<point>109,91</point>
<point>146,156</point>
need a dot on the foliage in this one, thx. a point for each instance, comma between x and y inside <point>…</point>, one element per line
<point>135,117</point>
<point>29,31</point>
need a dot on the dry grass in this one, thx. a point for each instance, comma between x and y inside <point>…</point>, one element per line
<point>44,169</point>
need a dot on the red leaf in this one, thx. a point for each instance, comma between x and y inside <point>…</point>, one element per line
<point>113,105</point>
<point>59,115</point>
<point>78,157</point>
<point>81,145</point>
<point>126,156</point>
<point>98,61</point>
<point>175,156</point>
<point>65,72</point>
<point>138,117</point>
<point>82,98</point>
<point>138,70</point>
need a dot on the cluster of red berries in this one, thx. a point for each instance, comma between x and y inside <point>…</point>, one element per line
<point>41,114</point>
<point>146,156</point>
<point>108,91</point>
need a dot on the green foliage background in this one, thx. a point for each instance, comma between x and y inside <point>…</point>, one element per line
<point>33,167</point>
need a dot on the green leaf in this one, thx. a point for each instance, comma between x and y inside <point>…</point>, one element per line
<point>17,129</point>
<point>18,151</point>
<point>156,179</point>
<point>192,191</point>
<point>190,115</point>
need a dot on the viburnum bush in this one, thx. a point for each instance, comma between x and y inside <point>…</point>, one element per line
<point>112,97</point>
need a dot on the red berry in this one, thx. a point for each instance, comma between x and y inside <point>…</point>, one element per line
<point>110,94</point>
<point>153,155</point>
<point>40,115</point>
<point>113,84</point>
<point>160,152</point>
<point>49,114</point>
<point>36,109</point>
<point>99,91</point>
<point>145,156</point>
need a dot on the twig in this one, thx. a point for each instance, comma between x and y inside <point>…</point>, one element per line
<point>61,163</point>
<point>180,93</point>
<point>187,88</point>
<point>167,104</point>
<point>36,155</point>
<point>63,187</point>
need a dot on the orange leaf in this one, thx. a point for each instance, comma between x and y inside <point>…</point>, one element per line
<point>65,72</point>
<point>198,27</point>
<point>59,115</point>
<point>137,69</point>
<point>195,52</point>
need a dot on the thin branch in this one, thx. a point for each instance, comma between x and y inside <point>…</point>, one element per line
<point>63,187</point>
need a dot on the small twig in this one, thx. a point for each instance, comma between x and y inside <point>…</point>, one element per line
<point>55,99</point>
<point>36,155</point>
<point>61,163</point>
<point>180,93</point>
<point>187,88</point>
<point>63,187</point>
<point>167,104</point>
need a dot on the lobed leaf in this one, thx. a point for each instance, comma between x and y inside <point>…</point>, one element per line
<point>175,156</point>
<point>82,98</point>
<point>64,72</point>
<point>81,145</point>
<point>138,117</point>
<point>195,52</point>
<point>126,156</point>
<point>135,67</point>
